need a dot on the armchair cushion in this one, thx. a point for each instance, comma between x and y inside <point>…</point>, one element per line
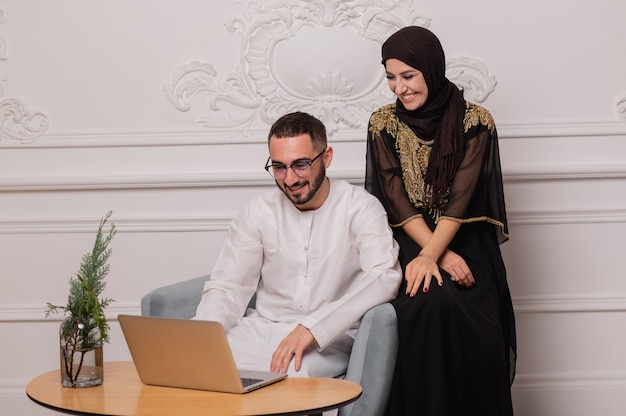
<point>178,300</point>
<point>371,361</point>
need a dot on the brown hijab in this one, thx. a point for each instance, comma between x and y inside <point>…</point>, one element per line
<point>441,117</point>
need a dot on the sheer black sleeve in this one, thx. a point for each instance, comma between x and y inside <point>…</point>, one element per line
<point>476,193</point>
<point>383,177</point>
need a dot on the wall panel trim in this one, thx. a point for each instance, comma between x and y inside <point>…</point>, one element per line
<point>218,223</point>
<point>570,381</point>
<point>251,179</point>
<point>570,216</point>
<point>522,304</point>
<point>36,312</point>
<point>216,137</point>
<point>570,303</point>
<point>125,225</point>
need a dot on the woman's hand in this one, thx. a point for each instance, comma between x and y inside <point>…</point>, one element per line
<point>458,269</point>
<point>434,251</point>
<point>421,269</point>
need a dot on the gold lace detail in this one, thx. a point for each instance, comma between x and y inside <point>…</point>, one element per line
<point>414,152</point>
<point>475,114</point>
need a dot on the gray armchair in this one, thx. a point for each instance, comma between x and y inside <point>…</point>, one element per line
<point>373,354</point>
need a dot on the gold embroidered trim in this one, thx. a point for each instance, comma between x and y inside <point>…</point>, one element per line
<point>411,218</point>
<point>476,219</point>
<point>476,114</point>
<point>413,151</point>
<point>384,119</point>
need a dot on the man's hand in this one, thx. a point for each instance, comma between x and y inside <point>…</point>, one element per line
<point>293,346</point>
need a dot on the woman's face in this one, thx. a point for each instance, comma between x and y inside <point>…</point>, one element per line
<point>407,83</point>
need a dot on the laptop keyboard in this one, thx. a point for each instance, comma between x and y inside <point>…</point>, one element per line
<point>249,381</point>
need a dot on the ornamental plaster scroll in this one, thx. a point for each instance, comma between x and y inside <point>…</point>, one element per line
<point>256,89</point>
<point>472,76</point>
<point>17,122</point>
<point>621,108</point>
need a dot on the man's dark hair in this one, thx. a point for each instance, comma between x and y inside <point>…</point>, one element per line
<point>299,123</point>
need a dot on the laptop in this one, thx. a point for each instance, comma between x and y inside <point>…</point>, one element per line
<point>187,354</point>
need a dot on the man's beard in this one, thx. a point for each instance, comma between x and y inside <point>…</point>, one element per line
<point>304,198</point>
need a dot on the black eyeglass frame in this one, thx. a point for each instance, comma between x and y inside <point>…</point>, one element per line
<point>304,161</point>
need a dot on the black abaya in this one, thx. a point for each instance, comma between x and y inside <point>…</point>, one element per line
<point>457,345</point>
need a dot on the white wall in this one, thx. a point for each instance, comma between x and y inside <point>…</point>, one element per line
<point>158,110</point>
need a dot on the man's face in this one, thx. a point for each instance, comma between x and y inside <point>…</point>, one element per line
<point>300,186</point>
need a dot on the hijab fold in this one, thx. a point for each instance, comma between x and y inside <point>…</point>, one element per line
<point>441,117</point>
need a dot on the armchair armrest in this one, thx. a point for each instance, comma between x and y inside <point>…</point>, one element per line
<point>178,300</point>
<point>373,356</point>
<point>372,361</point>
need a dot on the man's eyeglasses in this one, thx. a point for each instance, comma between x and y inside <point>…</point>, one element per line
<point>300,167</point>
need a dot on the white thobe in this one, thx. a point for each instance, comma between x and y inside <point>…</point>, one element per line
<point>322,268</point>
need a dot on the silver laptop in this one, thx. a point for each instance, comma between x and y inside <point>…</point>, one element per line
<point>187,354</point>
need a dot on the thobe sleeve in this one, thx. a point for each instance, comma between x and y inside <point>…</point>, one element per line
<point>376,283</point>
<point>235,277</point>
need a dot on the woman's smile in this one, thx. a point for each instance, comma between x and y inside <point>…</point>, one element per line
<point>407,83</point>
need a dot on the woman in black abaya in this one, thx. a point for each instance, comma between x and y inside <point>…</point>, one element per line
<point>433,161</point>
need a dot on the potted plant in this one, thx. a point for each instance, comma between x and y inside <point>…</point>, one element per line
<point>85,328</point>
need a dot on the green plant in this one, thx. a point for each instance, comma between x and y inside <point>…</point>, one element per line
<point>86,327</point>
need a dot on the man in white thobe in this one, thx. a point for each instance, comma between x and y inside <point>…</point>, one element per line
<point>317,252</point>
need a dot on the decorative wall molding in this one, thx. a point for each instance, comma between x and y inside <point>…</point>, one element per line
<point>556,128</point>
<point>176,180</point>
<point>572,216</point>
<point>472,76</point>
<point>570,304</point>
<point>16,121</point>
<point>35,313</point>
<point>534,173</point>
<point>621,108</point>
<point>523,305</point>
<point>10,389</point>
<point>220,136</point>
<point>219,223</point>
<point>212,223</point>
<point>609,380</point>
<point>256,89</point>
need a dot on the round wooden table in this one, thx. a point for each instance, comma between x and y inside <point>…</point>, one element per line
<point>123,394</point>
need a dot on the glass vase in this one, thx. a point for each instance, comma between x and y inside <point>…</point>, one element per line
<point>81,353</point>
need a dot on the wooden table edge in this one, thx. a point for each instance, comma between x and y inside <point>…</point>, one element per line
<point>308,411</point>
